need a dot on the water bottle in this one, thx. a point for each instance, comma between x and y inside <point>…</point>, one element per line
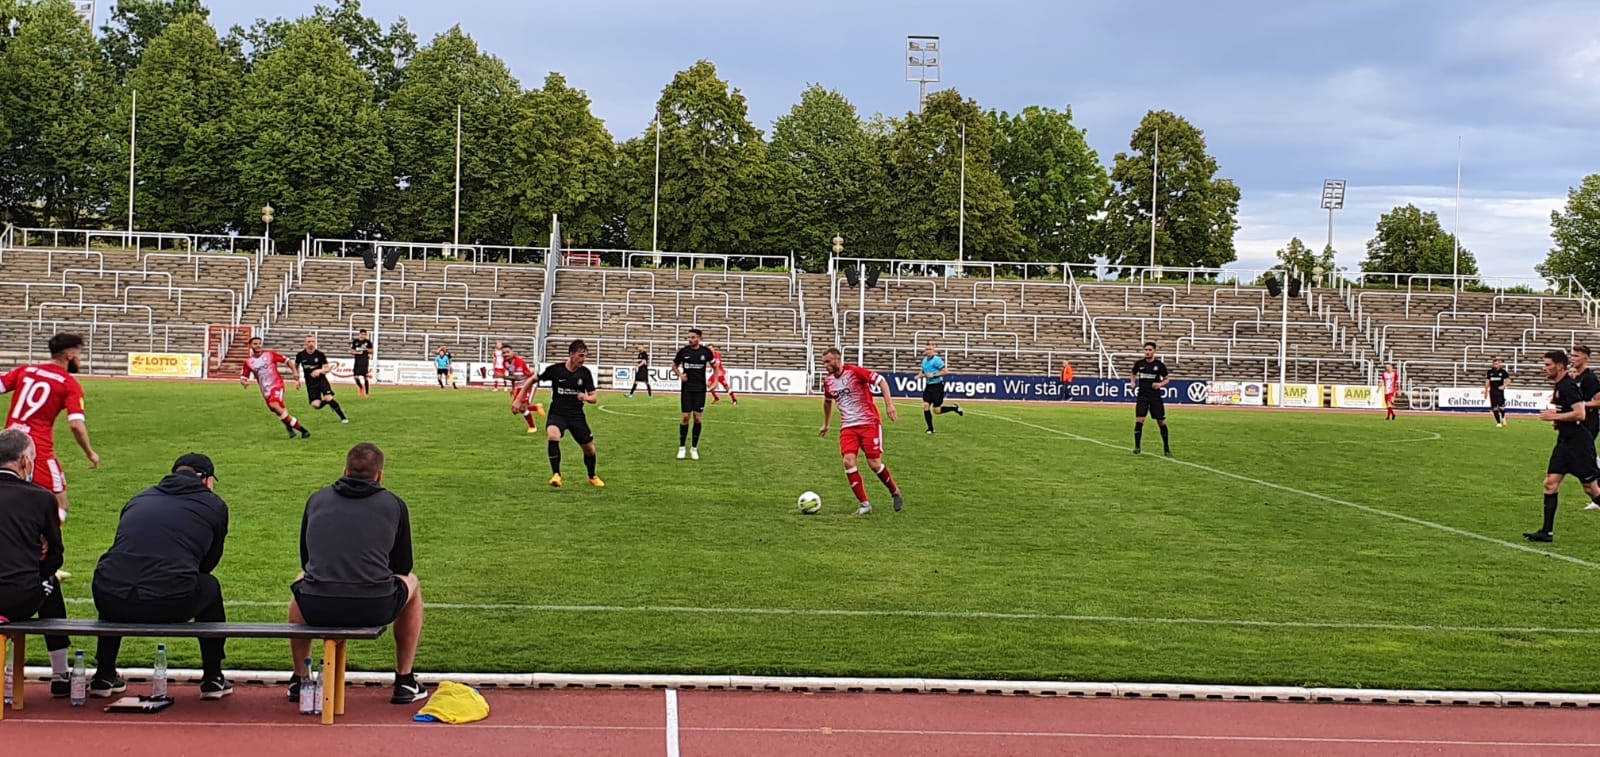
<point>308,694</point>
<point>80,681</point>
<point>158,684</point>
<point>317,689</point>
<point>7,653</point>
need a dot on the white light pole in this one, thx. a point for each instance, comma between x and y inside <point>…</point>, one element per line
<point>456,237</point>
<point>655,208</point>
<point>1332,199</point>
<point>1155,178</point>
<point>133,141</point>
<point>961,223</point>
<point>1455,265</point>
<point>266,218</point>
<point>922,65</point>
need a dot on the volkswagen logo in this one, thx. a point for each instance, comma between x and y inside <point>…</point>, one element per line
<point>1197,392</point>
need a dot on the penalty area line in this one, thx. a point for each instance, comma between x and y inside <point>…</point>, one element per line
<point>1370,510</point>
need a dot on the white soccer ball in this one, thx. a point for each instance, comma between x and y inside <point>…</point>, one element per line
<point>810,503</point>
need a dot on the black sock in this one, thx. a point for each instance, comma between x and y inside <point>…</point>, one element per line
<point>1166,439</point>
<point>1138,435</point>
<point>927,415</point>
<point>588,462</point>
<point>1550,513</point>
<point>683,434</point>
<point>697,433</point>
<point>648,391</point>
<point>335,405</point>
<point>555,457</point>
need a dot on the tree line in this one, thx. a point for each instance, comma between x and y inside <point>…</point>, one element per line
<point>348,129</point>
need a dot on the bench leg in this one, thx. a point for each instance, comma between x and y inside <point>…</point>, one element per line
<point>330,687</point>
<point>338,690</point>
<point>19,675</point>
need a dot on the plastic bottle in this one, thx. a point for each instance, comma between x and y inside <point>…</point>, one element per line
<point>158,683</point>
<point>7,653</point>
<point>317,708</point>
<point>80,681</point>
<point>308,691</point>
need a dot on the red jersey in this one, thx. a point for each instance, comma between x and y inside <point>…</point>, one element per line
<point>716,363</point>
<point>1391,383</point>
<point>852,390</point>
<point>517,368</point>
<point>39,394</point>
<point>265,368</point>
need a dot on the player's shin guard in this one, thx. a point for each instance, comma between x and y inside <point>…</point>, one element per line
<point>1138,435</point>
<point>683,434</point>
<point>888,480</point>
<point>555,457</point>
<point>856,484</point>
<point>589,463</point>
<point>1166,438</point>
<point>1550,513</point>
<point>339,410</point>
<point>695,439</point>
<point>927,417</point>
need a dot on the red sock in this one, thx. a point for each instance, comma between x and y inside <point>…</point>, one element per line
<point>856,484</point>
<point>295,424</point>
<point>527,415</point>
<point>887,479</point>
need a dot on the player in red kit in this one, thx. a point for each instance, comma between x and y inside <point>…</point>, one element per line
<point>719,377</point>
<point>1391,389</point>
<point>518,372</point>
<point>40,393</point>
<point>860,429</point>
<point>263,364</point>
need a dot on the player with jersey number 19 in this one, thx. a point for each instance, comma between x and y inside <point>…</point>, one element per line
<point>40,393</point>
<point>263,364</point>
<point>860,429</point>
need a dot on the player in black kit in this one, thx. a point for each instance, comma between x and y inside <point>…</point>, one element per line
<point>641,373</point>
<point>571,385</point>
<point>691,364</point>
<point>361,350</point>
<point>1574,451</point>
<point>314,367</point>
<point>1494,385</point>
<point>1152,376</point>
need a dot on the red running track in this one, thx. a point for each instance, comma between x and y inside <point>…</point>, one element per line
<point>258,722</point>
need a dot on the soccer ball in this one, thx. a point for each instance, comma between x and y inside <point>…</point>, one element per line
<point>810,503</point>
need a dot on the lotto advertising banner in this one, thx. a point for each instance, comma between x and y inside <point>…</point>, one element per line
<point>1463,399</point>
<point>1236,393</point>
<point>166,365</point>
<point>743,380</point>
<point>1294,395</point>
<point>1361,397</point>
<point>1044,389</point>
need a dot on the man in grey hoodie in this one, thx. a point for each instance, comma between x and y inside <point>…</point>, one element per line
<point>355,559</point>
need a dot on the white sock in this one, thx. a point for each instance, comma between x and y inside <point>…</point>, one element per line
<point>62,512</point>
<point>58,661</point>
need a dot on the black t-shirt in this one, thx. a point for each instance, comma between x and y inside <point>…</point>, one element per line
<point>1149,373</point>
<point>643,360</point>
<point>311,361</point>
<point>1497,378</point>
<point>1567,395</point>
<point>1588,387</point>
<point>361,348</point>
<point>694,361</point>
<point>566,385</point>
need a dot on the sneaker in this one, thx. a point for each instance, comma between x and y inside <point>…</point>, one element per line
<point>865,509</point>
<point>735,401</point>
<point>1167,452</point>
<point>305,434</point>
<point>629,395</point>
<point>596,482</point>
<point>291,433</point>
<point>344,420</point>
<point>929,432</point>
<point>212,689</point>
<point>1592,506</point>
<point>60,686</point>
<point>407,690</point>
<point>959,412</point>
<point>100,688</point>
<point>1541,536</point>
<point>532,430</point>
<point>538,409</point>
<point>294,688</point>
<point>555,481</point>
<point>683,452</point>
<point>694,453</point>
<point>899,502</point>
<point>1137,451</point>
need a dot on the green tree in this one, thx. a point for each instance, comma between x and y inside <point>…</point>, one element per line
<point>56,98</point>
<point>382,55</point>
<point>311,141</point>
<point>1056,182</point>
<point>419,202</point>
<point>1409,240</point>
<point>187,85</point>
<point>135,24</point>
<point>1575,230</point>
<point>923,168</point>
<point>564,163</point>
<point>1195,212</point>
<point>826,166</point>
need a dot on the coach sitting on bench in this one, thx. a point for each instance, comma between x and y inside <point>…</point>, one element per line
<point>158,570</point>
<point>355,559</point>
<point>30,550</point>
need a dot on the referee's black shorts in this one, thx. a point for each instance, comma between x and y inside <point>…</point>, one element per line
<point>1576,459</point>
<point>933,394</point>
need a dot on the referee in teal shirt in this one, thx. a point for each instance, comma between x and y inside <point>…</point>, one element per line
<point>933,372</point>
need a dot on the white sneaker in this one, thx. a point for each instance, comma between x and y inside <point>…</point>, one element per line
<point>865,509</point>
<point>344,420</point>
<point>1591,506</point>
<point>694,453</point>
<point>682,452</point>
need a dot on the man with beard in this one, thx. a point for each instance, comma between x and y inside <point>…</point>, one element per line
<point>40,393</point>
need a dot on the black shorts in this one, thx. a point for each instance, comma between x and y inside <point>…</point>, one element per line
<point>1576,459</point>
<point>21,603</point>
<point>442,371</point>
<point>573,423</point>
<point>318,388</point>
<point>1154,407</point>
<point>1497,400</point>
<point>360,368</point>
<point>692,400</point>
<point>345,612</point>
<point>933,394</point>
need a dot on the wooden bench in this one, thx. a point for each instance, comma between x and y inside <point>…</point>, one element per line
<point>334,655</point>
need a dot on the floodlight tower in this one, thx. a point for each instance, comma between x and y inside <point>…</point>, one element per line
<point>922,64</point>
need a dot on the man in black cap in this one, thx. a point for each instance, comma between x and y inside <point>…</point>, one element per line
<point>30,549</point>
<point>158,570</point>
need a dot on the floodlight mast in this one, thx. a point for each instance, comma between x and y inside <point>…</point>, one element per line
<point>922,64</point>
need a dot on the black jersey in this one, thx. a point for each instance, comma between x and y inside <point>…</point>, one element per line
<point>1149,373</point>
<point>643,360</point>
<point>311,361</point>
<point>361,348</point>
<point>694,361</point>
<point>1568,395</point>
<point>1588,386</point>
<point>1497,378</point>
<point>565,386</point>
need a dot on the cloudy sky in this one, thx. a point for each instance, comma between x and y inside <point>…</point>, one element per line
<point>1288,94</point>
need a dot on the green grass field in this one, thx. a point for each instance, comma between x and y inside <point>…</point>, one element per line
<point>1280,548</point>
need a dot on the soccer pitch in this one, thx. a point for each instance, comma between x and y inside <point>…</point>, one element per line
<point>1278,548</point>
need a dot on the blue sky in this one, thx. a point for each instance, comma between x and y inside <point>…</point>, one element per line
<point>1288,94</point>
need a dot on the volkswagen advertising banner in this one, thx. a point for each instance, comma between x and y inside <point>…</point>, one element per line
<point>1044,389</point>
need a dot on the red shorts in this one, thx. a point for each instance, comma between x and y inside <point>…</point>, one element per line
<point>273,397</point>
<point>868,439</point>
<point>499,373</point>
<point>1388,400</point>
<point>47,473</point>
<point>517,395</point>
